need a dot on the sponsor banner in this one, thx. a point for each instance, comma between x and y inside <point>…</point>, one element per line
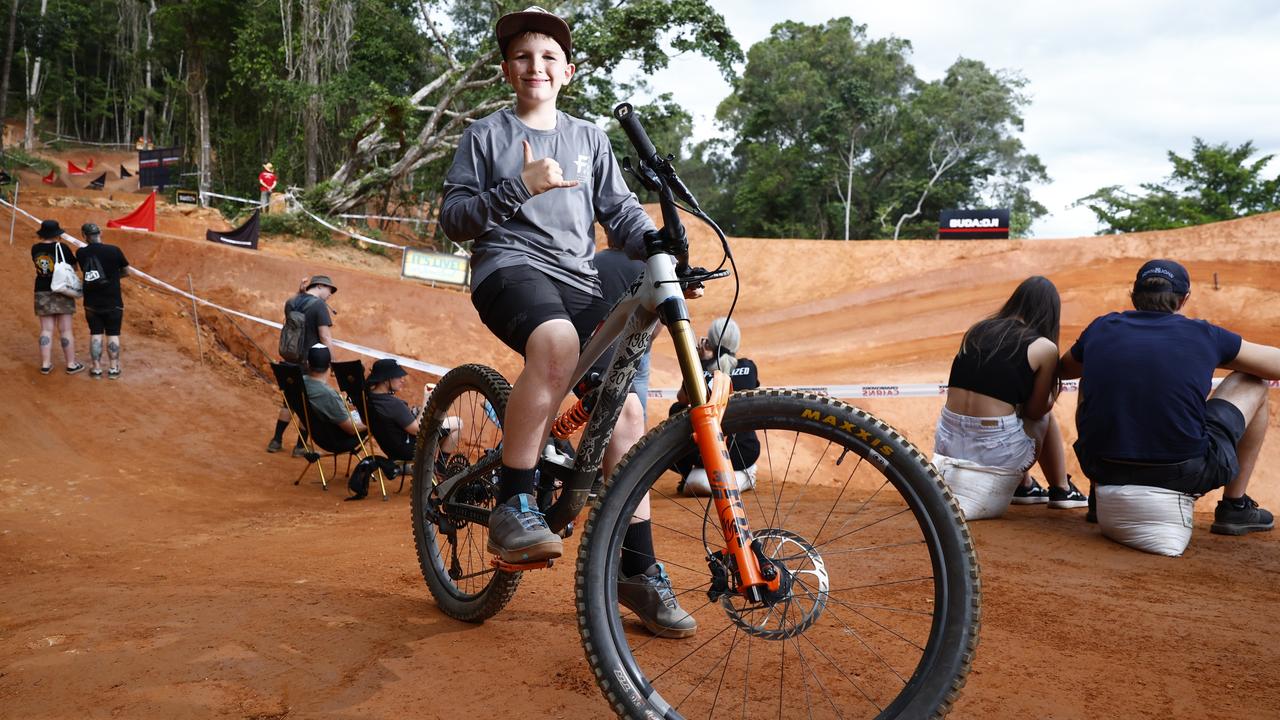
<point>975,224</point>
<point>245,236</point>
<point>435,267</point>
<point>153,166</point>
<point>188,197</point>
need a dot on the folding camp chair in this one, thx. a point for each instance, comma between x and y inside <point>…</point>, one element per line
<point>350,375</point>
<point>320,437</point>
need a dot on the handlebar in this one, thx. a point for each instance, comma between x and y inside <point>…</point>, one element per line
<point>626,116</point>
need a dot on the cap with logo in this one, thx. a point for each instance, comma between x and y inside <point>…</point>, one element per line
<point>533,19</point>
<point>1167,270</point>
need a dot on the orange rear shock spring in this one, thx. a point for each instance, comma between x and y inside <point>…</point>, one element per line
<point>572,419</point>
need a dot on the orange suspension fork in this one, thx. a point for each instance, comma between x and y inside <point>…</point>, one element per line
<point>706,414</point>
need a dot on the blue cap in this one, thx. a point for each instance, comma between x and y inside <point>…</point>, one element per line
<point>1167,270</point>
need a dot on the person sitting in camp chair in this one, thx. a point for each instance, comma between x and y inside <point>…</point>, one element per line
<point>393,423</point>
<point>328,407</point>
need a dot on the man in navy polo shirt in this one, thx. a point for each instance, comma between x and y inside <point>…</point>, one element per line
<point>1143,416</point>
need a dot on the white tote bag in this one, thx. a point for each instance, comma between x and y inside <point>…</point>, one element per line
<point>65,280</point>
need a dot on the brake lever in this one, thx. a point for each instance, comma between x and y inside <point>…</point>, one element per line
<point>644,174</point>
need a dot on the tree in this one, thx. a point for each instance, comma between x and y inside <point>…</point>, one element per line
<point>837,137</point>
<point>1218,182</point>
<point>466,84</point>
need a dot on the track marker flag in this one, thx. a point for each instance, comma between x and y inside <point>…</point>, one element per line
<point>144,218</point>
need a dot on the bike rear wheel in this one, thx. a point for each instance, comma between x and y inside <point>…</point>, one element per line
<point>882,611</point>
<point>461,432</point>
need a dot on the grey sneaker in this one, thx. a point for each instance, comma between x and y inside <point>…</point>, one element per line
<point>518,533</point>
<point>272,447</point>
<point>299,450</point>
<point>650,597</point>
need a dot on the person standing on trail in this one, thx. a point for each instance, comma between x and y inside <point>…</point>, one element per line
<point>266,184</point>
<point>307,322</point>
<point>1143,417</point>
<point>526,184</point>
<point>103,266</point>
<point>53,309</point>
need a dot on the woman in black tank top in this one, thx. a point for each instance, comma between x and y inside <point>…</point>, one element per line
<point>1001,391</point>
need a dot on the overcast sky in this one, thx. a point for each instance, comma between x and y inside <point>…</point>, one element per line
<point>1113,85</point>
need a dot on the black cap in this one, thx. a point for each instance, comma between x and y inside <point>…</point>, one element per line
<point>49,229</point>
<point>88,229</point>
<point>1167,270</point>
<point>318,358</point>
<point>384,370</point>
<point>533,19</point>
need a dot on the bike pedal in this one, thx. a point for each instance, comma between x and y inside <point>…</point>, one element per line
<point>504,566</point>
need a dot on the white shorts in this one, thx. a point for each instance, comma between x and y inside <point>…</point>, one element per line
<point>1000,442</point>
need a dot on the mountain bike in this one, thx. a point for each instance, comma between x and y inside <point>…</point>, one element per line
<point>844,584</point>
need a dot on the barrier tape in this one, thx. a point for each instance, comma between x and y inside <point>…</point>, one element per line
<point>78,141</point>
<point>337,229</point>
<point>206,193</point>
<point>420,221</point>
<point>880,390</point>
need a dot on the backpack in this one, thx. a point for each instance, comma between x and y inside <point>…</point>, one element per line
<point>293,336</point>
<point>94,275</point>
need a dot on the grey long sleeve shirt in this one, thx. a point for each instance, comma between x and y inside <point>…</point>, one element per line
<point>486,200</point>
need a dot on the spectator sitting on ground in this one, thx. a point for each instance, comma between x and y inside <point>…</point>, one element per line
<point>325,401</point>
<point>1000,396</point>
<point>1143,416</point>
<point>719,351</point>
<point>393,423</point>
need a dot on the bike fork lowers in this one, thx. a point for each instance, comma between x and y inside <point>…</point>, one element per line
<point>741,567</point>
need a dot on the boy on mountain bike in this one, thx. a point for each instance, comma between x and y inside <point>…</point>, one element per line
<point>526,185</point>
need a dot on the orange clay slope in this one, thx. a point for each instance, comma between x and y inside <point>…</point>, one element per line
<point>157,563</point>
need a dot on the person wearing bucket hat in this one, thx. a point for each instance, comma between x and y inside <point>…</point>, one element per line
<point>266,185</point>
<point>393,423</point>
<point>307,321</point>
<point>104,265</point>
<point>527,185</point>
<point>1143,417</point>
<point>54,310</point>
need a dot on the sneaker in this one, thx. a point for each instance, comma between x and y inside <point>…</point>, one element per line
<point>650,597</point>
<point>77,368</point>
<point>274,446</point>
<point>1239,517</point>
<point>1071,497</point>
<point>1031,494</point>
<point>113,373</point>
<point>299,450</point>
<point>518,533</point>
<point>95,374</point>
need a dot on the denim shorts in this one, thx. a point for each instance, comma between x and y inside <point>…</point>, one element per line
<point>999,442</point>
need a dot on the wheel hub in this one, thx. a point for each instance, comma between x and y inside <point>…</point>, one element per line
<point>801,596</point>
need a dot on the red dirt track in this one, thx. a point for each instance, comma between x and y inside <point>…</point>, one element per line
<point>156,563</point>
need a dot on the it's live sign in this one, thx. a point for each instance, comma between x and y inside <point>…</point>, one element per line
<point>435,267</point>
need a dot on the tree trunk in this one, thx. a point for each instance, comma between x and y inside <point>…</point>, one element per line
<point>197,88</point>
<point>8,63</point>
<point>146,87</point>
<point>33,93</point>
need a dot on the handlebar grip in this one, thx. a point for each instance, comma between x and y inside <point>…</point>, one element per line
<point>626,117</point>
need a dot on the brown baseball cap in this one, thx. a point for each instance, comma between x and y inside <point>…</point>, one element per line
<point>533,19</point>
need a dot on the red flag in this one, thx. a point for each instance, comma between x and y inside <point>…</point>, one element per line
<point>90,165</point>
<point>48,179</point>
<point>144,218</point>
<point>72,169</point>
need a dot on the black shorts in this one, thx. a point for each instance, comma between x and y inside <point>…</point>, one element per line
<point>515,300</point>
<point>104,321</point>
<point>1224,426</point>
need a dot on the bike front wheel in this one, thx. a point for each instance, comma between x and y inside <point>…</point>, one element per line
<point>461,435</point>
<point>879,613</point>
